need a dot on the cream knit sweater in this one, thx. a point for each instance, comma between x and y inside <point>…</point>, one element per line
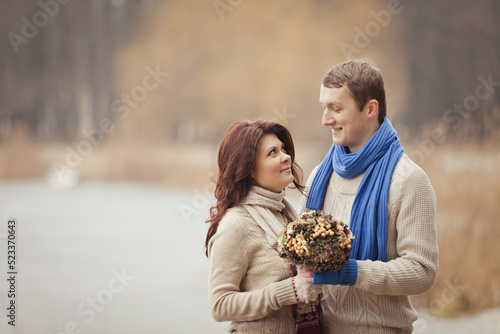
<point>379,300</point>
<point>249,284</point>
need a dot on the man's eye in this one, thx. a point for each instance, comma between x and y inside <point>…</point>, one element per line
<point>332,109</point>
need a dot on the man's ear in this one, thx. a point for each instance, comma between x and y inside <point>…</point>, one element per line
<point>372,106</point>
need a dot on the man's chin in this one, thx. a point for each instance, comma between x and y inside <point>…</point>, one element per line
<point>337,141</point>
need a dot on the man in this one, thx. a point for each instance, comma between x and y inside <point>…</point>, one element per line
<point>369,183</point>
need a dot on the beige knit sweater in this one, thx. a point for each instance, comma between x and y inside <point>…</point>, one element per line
<point>249,284</point>
<point>378,302</point>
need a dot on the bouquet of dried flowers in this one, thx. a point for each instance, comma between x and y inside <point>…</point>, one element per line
<point>317,241</point>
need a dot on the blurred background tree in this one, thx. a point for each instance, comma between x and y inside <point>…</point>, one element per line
<point>245,60</point>
<point>447,46</point>
<point>57,74</point>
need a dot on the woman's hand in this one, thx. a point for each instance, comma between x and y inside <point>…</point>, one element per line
<point>306,273</point>
<point>306,292</point>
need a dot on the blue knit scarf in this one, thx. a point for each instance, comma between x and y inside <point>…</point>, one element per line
<point>378,158</point>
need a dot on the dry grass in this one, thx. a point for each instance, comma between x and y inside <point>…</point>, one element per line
<point>19,157</point>
<point>163,164</point>
<point>467,186</point>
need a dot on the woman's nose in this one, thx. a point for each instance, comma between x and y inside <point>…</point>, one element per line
<point>285,157</point>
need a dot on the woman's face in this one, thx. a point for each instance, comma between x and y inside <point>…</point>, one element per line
<point>273,166</point>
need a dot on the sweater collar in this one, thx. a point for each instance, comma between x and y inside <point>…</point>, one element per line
<point>265,198</point>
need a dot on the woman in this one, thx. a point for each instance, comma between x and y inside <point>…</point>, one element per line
<point>250,285</point>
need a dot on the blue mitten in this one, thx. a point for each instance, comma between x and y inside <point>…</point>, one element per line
<point>344,276</point>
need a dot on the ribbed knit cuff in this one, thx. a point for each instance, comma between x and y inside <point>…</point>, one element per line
<point>345,276</point>
<point>349,273</point>
<point>285,294</point>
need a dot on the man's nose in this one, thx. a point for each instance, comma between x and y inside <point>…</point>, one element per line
<point>328,118</point>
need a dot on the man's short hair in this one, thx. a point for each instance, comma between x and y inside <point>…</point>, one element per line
<point>363,80</point>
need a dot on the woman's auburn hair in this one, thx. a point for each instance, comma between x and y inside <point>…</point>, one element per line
<point>236,161</point>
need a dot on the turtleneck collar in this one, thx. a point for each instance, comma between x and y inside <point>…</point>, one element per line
<point>265,198</point>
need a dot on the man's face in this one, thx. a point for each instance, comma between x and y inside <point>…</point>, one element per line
<point>350,126</point>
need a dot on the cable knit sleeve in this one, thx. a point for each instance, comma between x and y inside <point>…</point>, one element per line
<point>232,256</point>
<point>412,264</point>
